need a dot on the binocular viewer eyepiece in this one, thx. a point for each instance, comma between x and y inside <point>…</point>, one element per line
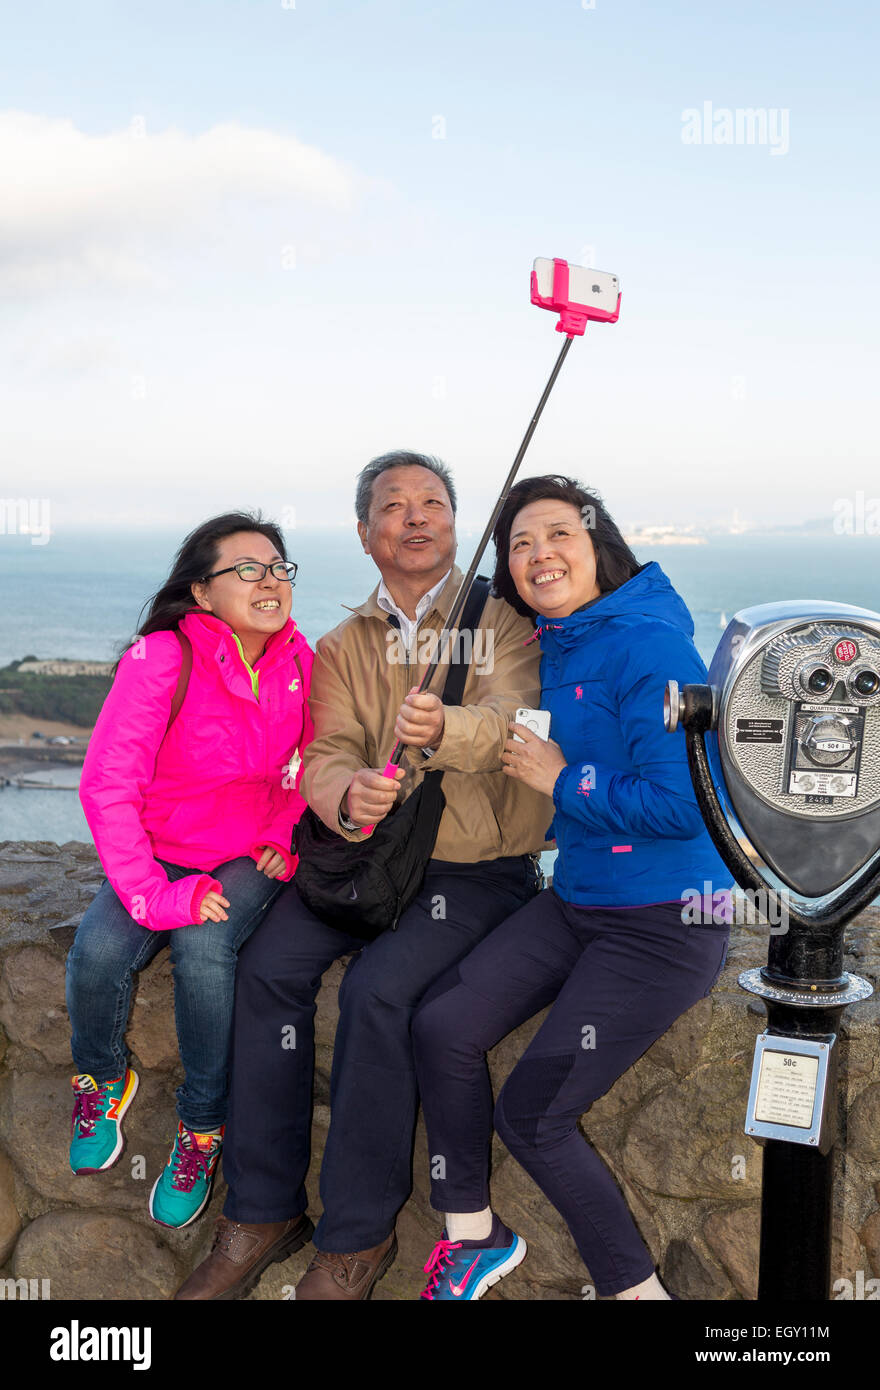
<point>789,726</point>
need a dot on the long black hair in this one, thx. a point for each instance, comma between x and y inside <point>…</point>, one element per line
<point>195,559</point>
<point>615,562</point>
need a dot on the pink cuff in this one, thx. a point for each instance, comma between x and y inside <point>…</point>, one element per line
<point>289,858</point>
<point>206,884</point>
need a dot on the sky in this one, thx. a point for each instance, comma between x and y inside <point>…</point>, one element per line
<point>244,247</point>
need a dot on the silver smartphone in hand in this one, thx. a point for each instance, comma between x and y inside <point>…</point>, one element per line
<point>538,720</point>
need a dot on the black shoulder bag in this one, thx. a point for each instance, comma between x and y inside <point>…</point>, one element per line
<point>364,887</point>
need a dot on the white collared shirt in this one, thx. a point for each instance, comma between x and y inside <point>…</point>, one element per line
<point>409,626</point>
<point>408,630</point>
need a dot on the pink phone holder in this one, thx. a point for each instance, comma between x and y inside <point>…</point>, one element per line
<point>573,316</point>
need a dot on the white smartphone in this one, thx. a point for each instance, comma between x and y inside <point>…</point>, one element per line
<point>597,288</point>
<point>538,720</point>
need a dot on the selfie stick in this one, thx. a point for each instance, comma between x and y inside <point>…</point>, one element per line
<point>577,295</point>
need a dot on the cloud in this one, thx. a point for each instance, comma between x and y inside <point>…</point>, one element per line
<point>79,209</point>
<point>39,350</point>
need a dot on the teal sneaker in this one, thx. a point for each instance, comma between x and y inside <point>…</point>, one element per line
<point>183,1187</point>
<point>96,1126</point>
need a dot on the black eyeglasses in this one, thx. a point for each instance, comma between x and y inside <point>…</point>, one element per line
<point>251,571</point>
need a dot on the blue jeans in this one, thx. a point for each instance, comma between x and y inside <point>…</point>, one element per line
<point>110,947</point>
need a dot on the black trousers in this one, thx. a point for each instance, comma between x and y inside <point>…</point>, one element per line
<point>366,1174</point>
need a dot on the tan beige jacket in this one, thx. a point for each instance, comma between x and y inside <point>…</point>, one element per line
<point>359,681</point>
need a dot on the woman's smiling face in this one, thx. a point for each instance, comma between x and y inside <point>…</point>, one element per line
<point>551,557</point>
<point>251,610</point>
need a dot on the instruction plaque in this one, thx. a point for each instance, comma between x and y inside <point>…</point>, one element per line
<point>787,1094</point>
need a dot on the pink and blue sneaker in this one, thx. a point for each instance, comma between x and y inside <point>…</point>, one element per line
<point>181,1191</point>
<point>96,1139</point>
<point>463,1270</point>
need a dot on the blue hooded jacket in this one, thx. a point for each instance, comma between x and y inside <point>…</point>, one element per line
<point>627,825</point>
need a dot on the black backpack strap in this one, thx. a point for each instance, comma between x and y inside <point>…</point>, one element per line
<point>470,618</point>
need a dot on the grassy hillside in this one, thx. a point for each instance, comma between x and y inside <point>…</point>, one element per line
<point>75,699</point>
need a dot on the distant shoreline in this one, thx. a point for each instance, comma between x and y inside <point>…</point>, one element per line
<point>18,757</point>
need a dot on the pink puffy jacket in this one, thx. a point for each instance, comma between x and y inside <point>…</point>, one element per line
<point>217,787</point>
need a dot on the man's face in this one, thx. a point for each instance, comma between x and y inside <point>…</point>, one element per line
<point>410,532</point>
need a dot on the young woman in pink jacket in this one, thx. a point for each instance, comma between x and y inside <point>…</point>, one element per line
<point>190,795</point>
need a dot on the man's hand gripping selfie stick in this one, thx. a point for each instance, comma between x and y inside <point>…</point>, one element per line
<point>577,295</point>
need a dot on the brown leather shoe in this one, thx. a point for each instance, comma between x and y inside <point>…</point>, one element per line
<point>346,1277</point>
<point>241,1251</point>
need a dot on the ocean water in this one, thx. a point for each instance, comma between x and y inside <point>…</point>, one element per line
<point>26,814</point>
<point>80,595</point>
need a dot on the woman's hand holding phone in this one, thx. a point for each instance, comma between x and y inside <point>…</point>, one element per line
<point>533,760</point>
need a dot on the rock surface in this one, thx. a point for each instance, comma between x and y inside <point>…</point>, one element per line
<point>670,1129</point>
<point>10,1220</point>
<point>87,1255</point>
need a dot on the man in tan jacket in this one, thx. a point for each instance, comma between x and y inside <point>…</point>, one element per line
<point>363,699</point>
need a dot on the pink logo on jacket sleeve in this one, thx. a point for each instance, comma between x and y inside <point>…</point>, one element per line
<point>587,779</point>
<point>579,692</point>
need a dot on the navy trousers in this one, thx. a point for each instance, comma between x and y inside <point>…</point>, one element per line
<point>366,1174</point>
<point>619,977</point>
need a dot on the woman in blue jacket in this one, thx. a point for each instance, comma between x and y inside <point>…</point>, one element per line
<point>614,944</point>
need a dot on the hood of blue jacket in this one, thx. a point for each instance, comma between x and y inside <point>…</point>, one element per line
<point>648,594</point>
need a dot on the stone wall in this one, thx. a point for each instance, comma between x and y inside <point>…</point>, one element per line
<point>671,1129</point>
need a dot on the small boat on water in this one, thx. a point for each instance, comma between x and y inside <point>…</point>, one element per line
<point>34,784</point>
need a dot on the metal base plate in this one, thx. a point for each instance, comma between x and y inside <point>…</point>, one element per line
<point>857,989</point>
